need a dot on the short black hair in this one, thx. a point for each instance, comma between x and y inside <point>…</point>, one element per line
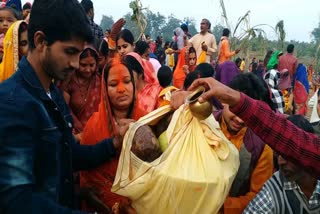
<point>205,70</point>
<point>87,5</point>
<point>126,35</point>
<point>290,48</point>
<point>238,61</point>
<point>164,76</point>
<point>59,20</point>
<point>226,32</point>
<point>190,78</point>
<point>251,85</point>
<point>301,122</point>
<point>184,27</point>
<point>141,47</point>
<point>26,6</point>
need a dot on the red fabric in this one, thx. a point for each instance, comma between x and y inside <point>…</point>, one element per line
<point>100,126</point>
<point>289,141</point>
<point>288,61</point>
<point>83,101</point>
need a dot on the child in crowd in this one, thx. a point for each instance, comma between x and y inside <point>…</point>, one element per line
<point>165,79</point>
<point>8,16</point>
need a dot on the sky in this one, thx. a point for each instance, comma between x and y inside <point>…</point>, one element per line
<point>300,17</point>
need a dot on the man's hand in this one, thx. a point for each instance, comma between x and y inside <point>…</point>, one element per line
<point>237,50</point>
<point>185,69</point>
<point>216,89</point>
<point>204,46</point>
<point>178,98</point>
<point>116,28</point>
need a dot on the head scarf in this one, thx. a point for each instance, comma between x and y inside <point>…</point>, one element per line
<point>273,60</point>
<point>149,73</point>
<point>10,51</point>
<point>102,125</point>
<point>179,33</point>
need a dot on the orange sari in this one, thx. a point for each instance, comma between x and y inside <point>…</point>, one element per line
<point>179,75</point>
<point>101,125</point>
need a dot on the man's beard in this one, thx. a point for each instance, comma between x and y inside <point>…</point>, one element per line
<point>51,67</point>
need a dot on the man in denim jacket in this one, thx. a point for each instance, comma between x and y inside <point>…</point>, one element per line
<point>38,152</point>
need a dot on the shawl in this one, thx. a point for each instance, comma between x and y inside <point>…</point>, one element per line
<point>101,125</point>
<point>179,75</point>
<point>10,52</point>
<point>147,98</point>
<point>273,60</point>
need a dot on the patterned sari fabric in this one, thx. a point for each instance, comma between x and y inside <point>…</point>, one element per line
<point>10,51</point>
<point>84,99</point>
<point>301,89</point>
<point>101,125</point>
<point>147,98</point>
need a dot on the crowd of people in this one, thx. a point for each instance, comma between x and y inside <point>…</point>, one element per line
<point>68,93</point>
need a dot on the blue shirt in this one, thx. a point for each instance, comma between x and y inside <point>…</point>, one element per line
<point>38,152</point>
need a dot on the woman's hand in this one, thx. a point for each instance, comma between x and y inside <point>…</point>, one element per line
<point>122,127</point>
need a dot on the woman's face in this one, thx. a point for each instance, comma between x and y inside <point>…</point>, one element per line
<point>124,47</point>
<point>120,87</point>
<point>87,67</point>
<point>6,20</point>
<point>192,59</point>
<point>23,43</point>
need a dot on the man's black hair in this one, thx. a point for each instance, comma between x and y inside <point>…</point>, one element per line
<point>184,27</point>
<point>290,48</point>
<point>141,47</point>
<point>251,85</point>
<point>59,20</point>
<point>226,32</point>
<point>205,70</point>
<point>87,5</point>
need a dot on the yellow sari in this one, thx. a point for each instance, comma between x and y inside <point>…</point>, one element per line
<point>10,52</point>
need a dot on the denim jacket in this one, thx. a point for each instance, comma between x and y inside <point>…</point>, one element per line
<point>38,152</point>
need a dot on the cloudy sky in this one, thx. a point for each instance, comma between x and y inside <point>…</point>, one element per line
<point>300,17</point>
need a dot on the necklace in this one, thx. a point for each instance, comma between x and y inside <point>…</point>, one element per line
<point>83,88</point>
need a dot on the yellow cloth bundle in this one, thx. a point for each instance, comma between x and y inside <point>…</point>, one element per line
<point>193,175</point>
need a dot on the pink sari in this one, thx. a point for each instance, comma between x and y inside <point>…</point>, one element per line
<point>147,98</point>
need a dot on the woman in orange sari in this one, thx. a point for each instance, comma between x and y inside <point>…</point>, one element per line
<point>117,102</point>
<point>147,85</point>
<point>186,63</point>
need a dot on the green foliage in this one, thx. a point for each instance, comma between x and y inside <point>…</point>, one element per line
<point>167,30</point>
<point>156,22</point>
<point>106,22</point>
<point>217,31</point>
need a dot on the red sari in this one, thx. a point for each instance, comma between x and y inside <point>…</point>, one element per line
<point>84,99</point>
<point>101,125</point>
